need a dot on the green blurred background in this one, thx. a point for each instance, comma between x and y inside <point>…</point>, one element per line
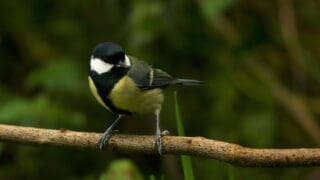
<point>260,58</point>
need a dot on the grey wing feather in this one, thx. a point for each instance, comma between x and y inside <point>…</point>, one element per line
<point>161,79</point>
<point>146,77</point>
<point>140,72</point>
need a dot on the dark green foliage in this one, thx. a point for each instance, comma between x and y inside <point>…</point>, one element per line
<point>258,57</point>
<point>121,169</point>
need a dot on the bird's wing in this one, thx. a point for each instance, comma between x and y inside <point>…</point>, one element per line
<point>140,72</point>
<point>161,79</point>
<point>146,77</point>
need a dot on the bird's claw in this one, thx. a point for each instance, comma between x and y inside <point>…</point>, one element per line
<point>115,131</point>
<point>105,138</point>
<point>165,133</point>
<point>158,140</point>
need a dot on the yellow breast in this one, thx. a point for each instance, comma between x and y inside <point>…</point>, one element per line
<point>126,95</point>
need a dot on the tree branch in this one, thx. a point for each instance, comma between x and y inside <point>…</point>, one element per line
<point>195,146</point>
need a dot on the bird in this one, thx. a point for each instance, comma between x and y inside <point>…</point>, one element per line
<point>126,85</point>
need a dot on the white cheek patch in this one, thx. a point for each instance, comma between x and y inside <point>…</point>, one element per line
<point>99,66</point>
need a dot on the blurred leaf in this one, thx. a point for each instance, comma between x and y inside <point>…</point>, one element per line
<point>152,177</point>
<point>4,93</point>
<point>39,111</point>
<point>230,172</point>
<point>258,129</point>
<point>186,160</point>
<point>226,96</point>
<point>210,9</point>
<point>145,22</point>
<point>122,170</point>
<point>60,75</point>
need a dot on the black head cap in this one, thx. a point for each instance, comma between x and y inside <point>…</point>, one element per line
<point>109,52</point>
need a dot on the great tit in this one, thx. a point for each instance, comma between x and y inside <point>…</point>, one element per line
<point>125,85</point>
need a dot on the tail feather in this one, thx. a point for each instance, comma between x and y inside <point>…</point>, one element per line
<point>189,82</point>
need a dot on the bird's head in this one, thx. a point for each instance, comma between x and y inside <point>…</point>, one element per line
<point>106,56</point>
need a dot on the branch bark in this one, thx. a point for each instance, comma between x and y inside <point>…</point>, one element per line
<point>195,146</point>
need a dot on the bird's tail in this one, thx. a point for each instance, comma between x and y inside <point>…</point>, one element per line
<point>188,82</point>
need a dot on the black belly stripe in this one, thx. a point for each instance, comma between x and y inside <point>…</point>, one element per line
<point>105,83</point>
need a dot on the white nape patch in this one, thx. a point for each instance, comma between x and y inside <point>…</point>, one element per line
<point>127,61</point>
<point>99,66</point>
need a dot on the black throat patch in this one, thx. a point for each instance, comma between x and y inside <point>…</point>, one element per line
<point>105,83</point>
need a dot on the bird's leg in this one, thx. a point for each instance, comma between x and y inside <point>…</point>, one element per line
<point>107,134</point>
<point>158,143</point>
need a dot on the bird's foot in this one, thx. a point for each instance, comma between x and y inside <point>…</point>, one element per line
<point>158,144</point>
<point>158,141</point>
<point>107,134</point>
<point>105,138</point>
